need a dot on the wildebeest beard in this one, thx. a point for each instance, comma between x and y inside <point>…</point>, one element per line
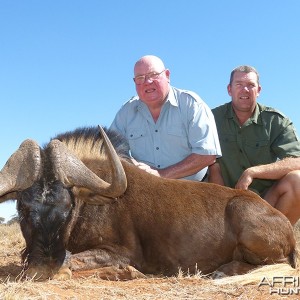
<point>44,212</point>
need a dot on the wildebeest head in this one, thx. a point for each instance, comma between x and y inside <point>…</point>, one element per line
<point>43,182</point>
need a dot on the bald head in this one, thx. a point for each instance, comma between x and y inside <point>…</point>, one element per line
<point>148,64</point>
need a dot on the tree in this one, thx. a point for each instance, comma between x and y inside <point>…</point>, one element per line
<point>14,219</point>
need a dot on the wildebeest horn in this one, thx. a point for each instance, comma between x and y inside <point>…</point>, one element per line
<point>21,169</point>
<point>72,172</point>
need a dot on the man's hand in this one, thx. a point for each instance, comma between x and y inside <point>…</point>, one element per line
<point>245,180</point>
<point>146,168</point>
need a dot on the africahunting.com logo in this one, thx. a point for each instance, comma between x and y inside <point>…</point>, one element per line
<point>282,285</point>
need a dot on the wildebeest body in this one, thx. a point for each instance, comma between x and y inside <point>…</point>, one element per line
<point>157,225</point>
<point>188,226</point>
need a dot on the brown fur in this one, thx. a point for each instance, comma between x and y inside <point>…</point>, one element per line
<point>160,225</point>
<point>157,226</point>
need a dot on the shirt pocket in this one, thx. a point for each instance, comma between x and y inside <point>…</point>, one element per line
<point>137,138</point>
<point>229,145</point>
<point>258,151</point>
<point>176,137</point>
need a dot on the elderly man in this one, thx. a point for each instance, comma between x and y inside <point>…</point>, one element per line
<point>171,132</point>
<point>261,150</point>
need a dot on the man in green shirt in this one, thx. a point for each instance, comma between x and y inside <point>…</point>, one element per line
<point>260,147</point>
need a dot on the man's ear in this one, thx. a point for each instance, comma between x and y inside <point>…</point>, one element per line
<point>229,89</point>
<point>259,90</point>
<point>167,72</point>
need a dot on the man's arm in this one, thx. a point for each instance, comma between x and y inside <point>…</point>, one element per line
<point>273,171</point>
<point>188,166</point>
<point>214,174</point>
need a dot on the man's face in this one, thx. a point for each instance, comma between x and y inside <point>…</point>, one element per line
<point>244,90</point>
<point>154,90</point>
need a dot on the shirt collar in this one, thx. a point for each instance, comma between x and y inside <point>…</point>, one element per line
<point>171,98</point>
<point>255,118</point>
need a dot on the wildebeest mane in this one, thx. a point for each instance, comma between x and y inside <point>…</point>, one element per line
<point>87,141</point>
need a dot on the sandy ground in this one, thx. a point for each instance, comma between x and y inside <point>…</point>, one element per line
<point>89,286</point>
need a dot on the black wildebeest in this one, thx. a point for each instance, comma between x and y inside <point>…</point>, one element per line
<point>82,204</point>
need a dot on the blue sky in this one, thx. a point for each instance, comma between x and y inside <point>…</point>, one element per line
<point>65,64</point>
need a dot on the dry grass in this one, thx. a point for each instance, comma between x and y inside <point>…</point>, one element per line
<point>192,286</point>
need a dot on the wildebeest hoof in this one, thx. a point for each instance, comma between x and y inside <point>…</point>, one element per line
<point>134,273</point>
<point>63,274</point>
<point>218,275</point>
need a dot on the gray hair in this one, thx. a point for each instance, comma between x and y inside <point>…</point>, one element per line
<point>245,69</point>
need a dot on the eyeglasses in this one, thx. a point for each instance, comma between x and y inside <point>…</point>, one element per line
<point>150,76</point>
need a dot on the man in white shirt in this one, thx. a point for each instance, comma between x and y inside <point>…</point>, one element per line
<point>171,132</point>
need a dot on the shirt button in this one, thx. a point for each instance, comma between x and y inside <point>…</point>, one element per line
<point>156,130</point>
<point>158,166</point>
<point>157,148</point>
<point>131,135</point>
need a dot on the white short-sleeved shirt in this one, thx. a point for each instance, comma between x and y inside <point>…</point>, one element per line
<point>186,125</point>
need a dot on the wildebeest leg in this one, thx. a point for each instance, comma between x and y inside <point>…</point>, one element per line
<point>262,236</point>
<point>233,268</point>
<point>238,265</point>
<point>111,273</point>
<point>44,272</point>
<point>41,273</point>
<point>104,264</point>
<point>63,273</point>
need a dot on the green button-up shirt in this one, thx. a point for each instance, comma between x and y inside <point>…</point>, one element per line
<point>265,137</point>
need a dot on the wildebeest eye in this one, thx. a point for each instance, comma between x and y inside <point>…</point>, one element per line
<point>25,196</point>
